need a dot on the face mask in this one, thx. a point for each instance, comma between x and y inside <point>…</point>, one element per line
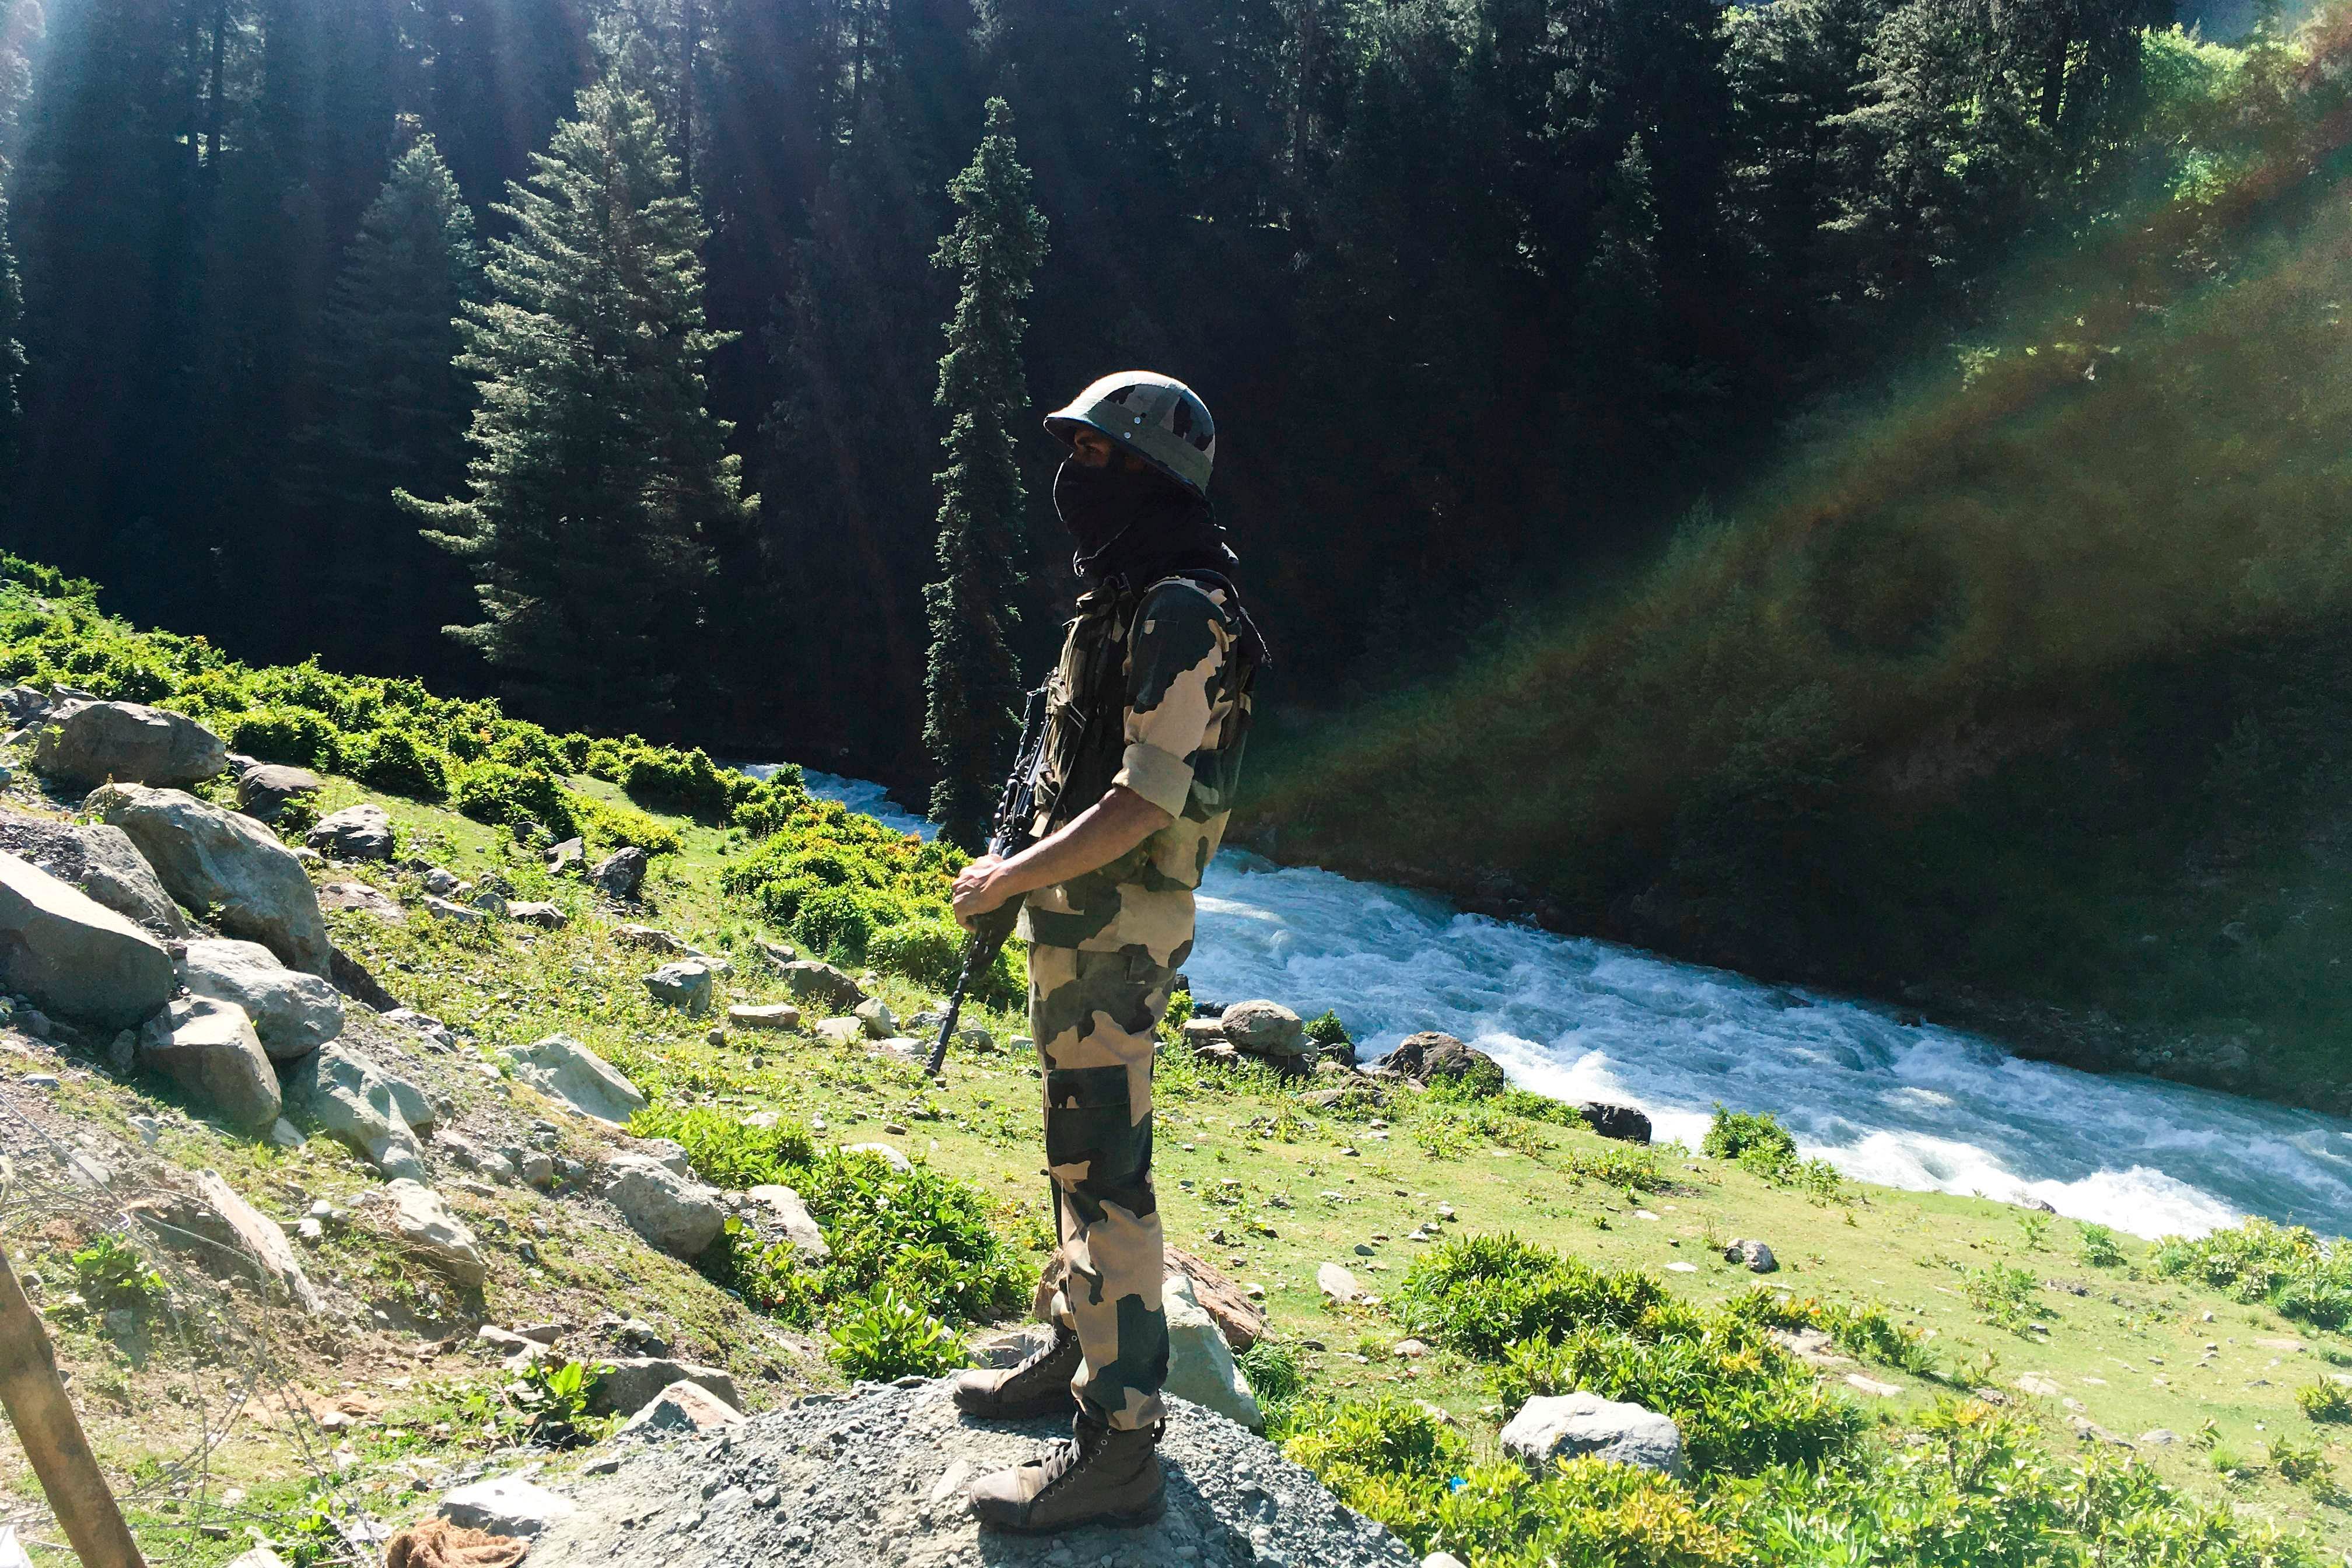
<point>1096,505</point>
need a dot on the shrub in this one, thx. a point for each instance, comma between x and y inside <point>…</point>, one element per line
<point>769,803</point>
<point>1542,1108</point>
<point>1587,1512</point>
<point>883,1335</point>
<point>928,1233</point>
<point>1327,1030</point>
<point>554,1396</point>
<point>2097,1246</point>
<point>2003,1295</point>
<point>1619,1166</point>
<point>397,762</point>
<point>928,952</point>
<point>1389,1459</point>
<point>110,1273</point>
<point>1736,1135</point>
<point>2286,1266</point>
<point>2326,1402</point>
<point>292,735</point>
<point>1273,1371</point>
<point>1481,1294</point>
<point>518,798</point>
<point>725,1150</point>
<point>836,921</point>
<point>607,825</point>
<point>687,782</point>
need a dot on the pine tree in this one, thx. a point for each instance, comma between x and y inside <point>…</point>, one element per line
<point>598,474</point>
<point>972,684</point>
<point>392,413</point>
<point>12,359</point>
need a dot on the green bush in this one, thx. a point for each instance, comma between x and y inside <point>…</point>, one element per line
<point>769,803</point>
<point>687,782</point>
<point>397,762</point>
<point>1273,1371</point>
<point>726,1151</point>
<point>2326,1402</point>
<point>928,1233</point>
<point>517,798</point>
<point>928,952</point>
<point>882,1335</point>
<point>1482,1294</point>
<point>1327,1030</point>
<point>1586,1512</point>
<point>293,735</point>
<point>2286,1266</point>
<point>607,826</point>
<point>1389,1459</point>
<point>1536,1107</point>
<point>554,1396</point>
<point>2097,1246</point>
<point>1736,1134</point>
<point>836,921</point>
<point>110,1273</point>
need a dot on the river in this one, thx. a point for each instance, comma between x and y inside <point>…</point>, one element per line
<point>1923,1107</point>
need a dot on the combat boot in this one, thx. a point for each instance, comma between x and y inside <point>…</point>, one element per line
<point>1038,1386</point>
<point>1098,1477</point>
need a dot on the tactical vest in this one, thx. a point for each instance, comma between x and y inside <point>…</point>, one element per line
<point>1085,698</point>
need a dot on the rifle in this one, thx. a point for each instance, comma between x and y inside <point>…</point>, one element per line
<point>1011,831</point>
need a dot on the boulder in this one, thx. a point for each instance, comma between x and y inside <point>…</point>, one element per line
<point>361,832</point>
<point>1753,1256</point>
<point>1338,1284</point>
<point>874,1014</point>
<point>425,1227</point>
<point>293,1013</point>
<point>90,742</point>
<point>100,860</point>
<point>24,704</point>
<point>653,939</point>
<point>620,874</point>
<point>363,899</point>
<point>821,985</point>
<point>567,859</point>
<point>1433,1057</point>
<point>423,1023</point>
<point>1239,1319</point>
<point>506,1506</point>
<point>563,1069</point>
<point>260,1238</point>
<point>1551,1427</point>
<point>633,1382</point>
<point>352,1099</point>
<point>1623,1123</point>
<point>1200,1365</point>
<point>74,956</point>
<point>1264,1029</point>
<point>800,1227</point>
<point>685,985</point>
<point>545,915</point>
<point>765,1016</point>
<point>263,788</point>
<point>894,1158</point>
<point>209,1048</point>
<point>220,861</point>
<point>839,1031</point>
<point>684,1407</point>
<point>676,1212</point>
<point>462,914</point>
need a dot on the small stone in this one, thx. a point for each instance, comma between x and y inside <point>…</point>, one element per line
<point>1754,1256</point>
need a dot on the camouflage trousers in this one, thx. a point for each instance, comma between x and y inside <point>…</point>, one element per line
<point>1093,1014</point>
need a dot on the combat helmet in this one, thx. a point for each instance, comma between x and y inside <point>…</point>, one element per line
<point>1158,417</point>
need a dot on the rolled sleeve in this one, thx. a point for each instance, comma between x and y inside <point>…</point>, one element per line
<point>1161,777</point>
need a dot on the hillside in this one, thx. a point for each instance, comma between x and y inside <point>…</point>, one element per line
<point>1938,1379</point>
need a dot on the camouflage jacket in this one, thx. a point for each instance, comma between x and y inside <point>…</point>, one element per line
<point>1183,718</point>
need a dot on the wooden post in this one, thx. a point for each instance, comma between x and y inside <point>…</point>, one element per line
<point>45,1424</point>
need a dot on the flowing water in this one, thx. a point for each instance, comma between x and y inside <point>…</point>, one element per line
<point>1909,1107</point>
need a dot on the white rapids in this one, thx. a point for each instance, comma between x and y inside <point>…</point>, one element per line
<point>1923,1107</point>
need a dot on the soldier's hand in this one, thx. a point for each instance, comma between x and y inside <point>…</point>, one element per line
<point>976,892</point>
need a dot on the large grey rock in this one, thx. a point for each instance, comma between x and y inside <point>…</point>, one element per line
<point>620,874</point>
<point>1264,1029</point>
<point>425,1228</point>
<point>765,1016</point>
<point>24,704</point>
<point>293,1013</point>
<point>563,1069</point>
<point>674,1211</point>
<point>1338,1283</point>
<point>1754,1256</point>
<point>1550,1428</point>
<point>1626,1123</point>
<point>1200,1365</point>
<point>685,985</point>
<point>684,1407</point>
<point>90,742</point>
<point>261,1238</point>
<point>506,1506</point>
<point>785,1207</point>
<point>262,789</point>
<point>361,832</point>
<point>633,1382</point>
<point>209,1048</point>
<point>540,913</point>
<point>74,956</point>
<point>226,863</point>
<point>822,984</point>
<point>374,1111</point>
<point>100,860</point>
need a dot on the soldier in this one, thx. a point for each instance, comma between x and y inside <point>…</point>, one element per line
<point>1148,710</point>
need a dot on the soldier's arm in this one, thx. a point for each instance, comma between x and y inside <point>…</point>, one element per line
<point>1178,652</point>
<point>1089,841</point>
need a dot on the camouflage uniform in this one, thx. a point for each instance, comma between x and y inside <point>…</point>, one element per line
<point>1105,948</point>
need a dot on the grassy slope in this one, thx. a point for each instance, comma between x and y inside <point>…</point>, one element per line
<point>1238,1157</point>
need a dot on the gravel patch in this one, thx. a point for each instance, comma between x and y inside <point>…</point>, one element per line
<point>877,1475</point>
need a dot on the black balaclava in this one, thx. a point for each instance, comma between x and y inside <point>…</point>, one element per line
<point>1135,523</point>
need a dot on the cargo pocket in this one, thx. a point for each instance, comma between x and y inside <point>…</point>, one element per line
<point>1090,1124</point>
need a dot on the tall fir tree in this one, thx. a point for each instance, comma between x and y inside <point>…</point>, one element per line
<point>973,685</point>
<point>599,474</point>
<point>392,412</point>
